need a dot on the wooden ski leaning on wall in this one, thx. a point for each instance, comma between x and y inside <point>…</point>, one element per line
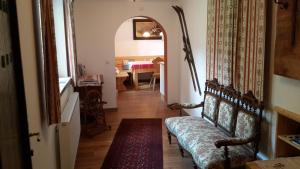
<point>188,48</point>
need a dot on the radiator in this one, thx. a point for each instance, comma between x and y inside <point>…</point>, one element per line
<point>69,132</point>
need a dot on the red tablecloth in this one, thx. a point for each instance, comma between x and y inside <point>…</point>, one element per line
<point>142,66</point>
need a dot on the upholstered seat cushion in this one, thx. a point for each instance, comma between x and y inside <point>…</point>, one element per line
<point>207,156</point>
<point>190,130</point>
<point>178,125</point>
<point>196,134</point>
<point>199,142</point>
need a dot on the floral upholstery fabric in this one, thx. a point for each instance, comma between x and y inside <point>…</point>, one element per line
<point>198,136</point>
<point>207,156</point>
<point>210,106</point>
<point>225,116</point>
<point>245,127</point>
<point>206,133</point>
<point>200,143</point>
<point>179,125</point>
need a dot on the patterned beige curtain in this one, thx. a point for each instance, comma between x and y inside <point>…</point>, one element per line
<point>236,43</point>
<point>50,62</point>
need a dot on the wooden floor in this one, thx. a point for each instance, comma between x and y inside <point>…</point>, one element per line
<point>131,104</point>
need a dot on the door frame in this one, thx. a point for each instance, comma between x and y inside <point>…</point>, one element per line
<point>165,51</point>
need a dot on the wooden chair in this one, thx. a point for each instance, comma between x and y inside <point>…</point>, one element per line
<point>156,73</point>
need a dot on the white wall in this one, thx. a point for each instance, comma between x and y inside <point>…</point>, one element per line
<point>96,24</point>
<point>59,23</point>
<point>196,17</point>
<point>126,46</point>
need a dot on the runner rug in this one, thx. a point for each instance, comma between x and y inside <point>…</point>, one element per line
<point>136,145</point>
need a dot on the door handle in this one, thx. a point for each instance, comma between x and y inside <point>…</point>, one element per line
<point>37,135</point>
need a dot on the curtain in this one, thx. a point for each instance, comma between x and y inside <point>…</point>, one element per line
<point>52,95</point>
<point>236,43</point>
<point>220,40</point>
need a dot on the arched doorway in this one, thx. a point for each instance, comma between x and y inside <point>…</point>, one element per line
<point>127,46</point>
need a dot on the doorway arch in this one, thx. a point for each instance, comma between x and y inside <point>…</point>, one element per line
<point>165,45</point>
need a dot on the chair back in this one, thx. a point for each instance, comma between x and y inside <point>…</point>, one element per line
<point>248,120</point>
<point>227,110</point>
<point>211,100</point>
<point>156,65</point>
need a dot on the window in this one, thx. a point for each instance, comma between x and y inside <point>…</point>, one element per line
<point>60,38</point>
<point>64,42</point>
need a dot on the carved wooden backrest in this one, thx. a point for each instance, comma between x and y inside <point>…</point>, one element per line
<point>248,121</point>
<point>227,110</point>
<point>211,100</point>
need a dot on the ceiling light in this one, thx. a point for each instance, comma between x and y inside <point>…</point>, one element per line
<point>146,34</point>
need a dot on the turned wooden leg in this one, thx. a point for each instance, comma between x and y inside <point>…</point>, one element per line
<point>150,84</point>
<point>227,160</point>
<point>169,137</point>
<point>154,82</point>
<point>181,150</point>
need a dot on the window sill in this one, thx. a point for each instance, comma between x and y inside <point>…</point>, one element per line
<point>63,83</point>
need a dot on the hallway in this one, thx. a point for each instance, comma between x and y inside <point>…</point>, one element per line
<point>132,104</point>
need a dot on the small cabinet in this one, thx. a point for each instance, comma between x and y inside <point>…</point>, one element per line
<point>288,127</point>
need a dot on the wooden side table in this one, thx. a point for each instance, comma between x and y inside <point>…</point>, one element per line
<point>252,165</point>
<point>91,104</point>
<point>279,163</point>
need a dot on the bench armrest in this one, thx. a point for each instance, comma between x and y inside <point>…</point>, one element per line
<point>178,106</point>
<point>233,142</point>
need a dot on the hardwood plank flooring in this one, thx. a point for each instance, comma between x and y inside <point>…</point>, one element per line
<point>131,104</point>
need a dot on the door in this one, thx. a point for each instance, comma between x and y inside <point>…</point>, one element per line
<point>14,141</point>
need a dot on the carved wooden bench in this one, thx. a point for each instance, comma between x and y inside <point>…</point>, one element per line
<point>227,134</point>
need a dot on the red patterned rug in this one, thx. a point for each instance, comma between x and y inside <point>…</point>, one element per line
<point>137,145</point>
